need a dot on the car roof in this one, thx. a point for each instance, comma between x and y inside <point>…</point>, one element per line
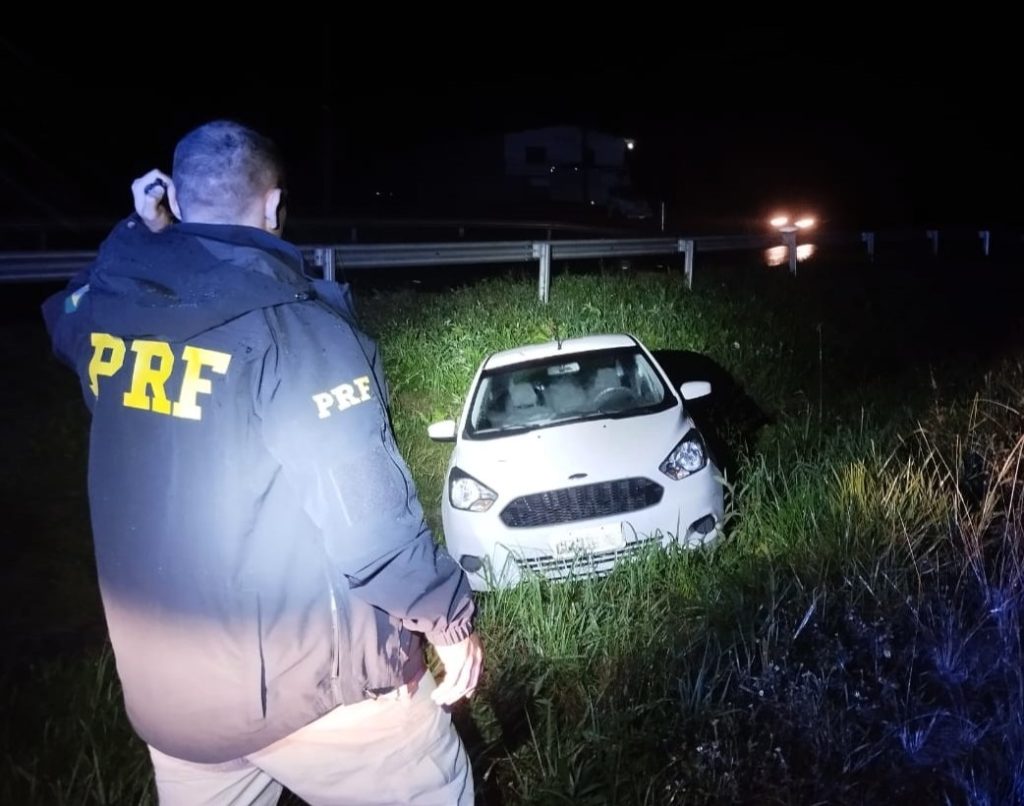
<point>534,352</point>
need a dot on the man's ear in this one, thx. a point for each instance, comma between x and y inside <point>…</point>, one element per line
<point>172,201</point>
<point>273,211</point>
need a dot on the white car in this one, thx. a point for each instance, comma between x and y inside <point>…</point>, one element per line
<point>570,457</point>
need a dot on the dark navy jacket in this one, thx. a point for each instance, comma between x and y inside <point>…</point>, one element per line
<point>261,551</point>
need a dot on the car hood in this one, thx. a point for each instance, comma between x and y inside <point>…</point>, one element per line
<point>573,454</point>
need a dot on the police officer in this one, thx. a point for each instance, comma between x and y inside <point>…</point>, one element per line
<point>267,576</point>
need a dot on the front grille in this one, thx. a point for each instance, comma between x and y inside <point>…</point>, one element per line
<point>579,503</point>
<point>597,563</point>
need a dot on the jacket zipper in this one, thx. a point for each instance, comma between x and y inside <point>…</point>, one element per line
<point>335,631</point>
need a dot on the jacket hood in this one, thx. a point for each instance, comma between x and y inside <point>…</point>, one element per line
<point>191,278</point>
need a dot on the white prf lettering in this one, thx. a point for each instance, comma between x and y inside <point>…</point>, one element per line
<point>363,385</point>
<point>343,396</point>
<point>324,401</point>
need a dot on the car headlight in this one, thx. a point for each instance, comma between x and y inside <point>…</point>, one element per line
<point>686,458</point>
<point>465,492</point>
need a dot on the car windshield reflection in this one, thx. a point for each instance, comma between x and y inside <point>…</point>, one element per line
<point>564,389</point>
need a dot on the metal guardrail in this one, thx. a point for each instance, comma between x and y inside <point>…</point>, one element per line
<point>29,266</point>
<point>331,258</point>
<point>372,256</point>
<point>735,243</point>
<point>565,250</point>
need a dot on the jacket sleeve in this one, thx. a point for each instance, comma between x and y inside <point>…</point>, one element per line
<point>322,417</point>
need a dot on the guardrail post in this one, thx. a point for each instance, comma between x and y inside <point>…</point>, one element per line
<point>986,240</point>
<point>869,241</point>
<point>324,258</point>
<point>542,252</point>
<point>686,246</point>
<point>933,236</point>
<point>789,239</point>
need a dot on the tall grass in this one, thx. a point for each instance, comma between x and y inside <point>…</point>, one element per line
<point>855,638</point>
<point>433,343</point>
<point>66,739</point>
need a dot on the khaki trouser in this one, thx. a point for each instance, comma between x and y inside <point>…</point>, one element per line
<point>398,749</point>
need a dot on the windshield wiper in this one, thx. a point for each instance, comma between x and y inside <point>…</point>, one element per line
<point>508,429</point>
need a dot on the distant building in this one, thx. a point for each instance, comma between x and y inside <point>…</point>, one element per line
<point>574,165</point>
<point>559,170</point>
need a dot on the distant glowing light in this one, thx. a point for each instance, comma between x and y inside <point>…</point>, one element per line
<point>630,145</point>
<point>776,255</point>
<point>779,255</point>
<point>805,223</point>
<point>779,221</point>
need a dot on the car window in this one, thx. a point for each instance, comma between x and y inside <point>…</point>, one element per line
<point>567,388</point>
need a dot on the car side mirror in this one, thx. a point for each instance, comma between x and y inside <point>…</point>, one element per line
<point>692,390</point>
<point>443,431</point>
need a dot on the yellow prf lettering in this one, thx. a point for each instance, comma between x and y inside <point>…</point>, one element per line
<point>146,375</point>
<point>363,385</point>
<point>194,384</point>
<point>105,366</point>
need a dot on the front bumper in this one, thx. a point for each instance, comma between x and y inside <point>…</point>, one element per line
<point>495,555</point>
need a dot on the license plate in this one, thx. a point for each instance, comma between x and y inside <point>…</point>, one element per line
<point>590,540</point>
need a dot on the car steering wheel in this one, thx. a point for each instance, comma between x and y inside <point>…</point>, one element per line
<point>622,395</point>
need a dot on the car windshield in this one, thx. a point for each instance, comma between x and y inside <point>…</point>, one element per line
<point>566,388</point>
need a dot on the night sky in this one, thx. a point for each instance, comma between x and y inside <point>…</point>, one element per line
<point>892,129</point>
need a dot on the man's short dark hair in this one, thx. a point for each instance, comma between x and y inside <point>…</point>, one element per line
<point>222,166</point>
